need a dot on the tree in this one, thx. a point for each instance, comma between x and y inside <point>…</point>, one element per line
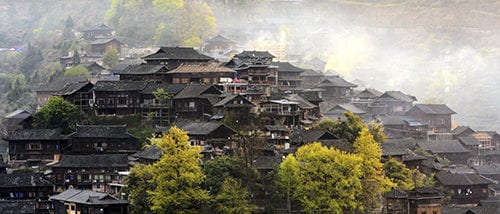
<point>374,181</point>
<point>77,71</point>
<point>328,179</point>
<point>58,113</point>
<point>110,57</point>
<point>173,183</point>
<point>68,27</point>
<point>399,174</point>
<point>221,168</point>
<point>288,178</point>
<point>76,58</point>
<point>249,144</point>
<point>233,198</point>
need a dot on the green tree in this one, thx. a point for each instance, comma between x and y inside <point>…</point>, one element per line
<point>220,168</point>
<point>32,59</point>
<point>110,57</point>
<point>233,198</point>
<point>399,174</point>
<point>328,179</point>
<point>76,58</point>
<point>68,27</point>
<point>77,71</point>
<point>288,178</point>
<point>374,180</point>
<point>173,183</point>
<point>58,113</point>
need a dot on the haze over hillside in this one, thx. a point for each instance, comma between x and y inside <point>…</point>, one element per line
<point>439,51</point>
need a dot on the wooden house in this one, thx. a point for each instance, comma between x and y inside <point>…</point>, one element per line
<point>174,56</point>
<point>94,172</point>
<point>86,201</point>
<point>97,31</point>
<point>489,140</point>
<point>256,68</point>
<point>301,137</point>
<point>19,119</point>
<point>336,88</point>
<point>470,143</point>
<point>282,112</point>
<point>464,188</point>
<point>99,46</point>
<point>310,111</point>
<point>219,45</point>
<point>93,139</point>
<point>46,91</point>
<point>196,101</point>
<point>338,111</point>
<point>150,154</point>
<point>234,108</point>
<point>144,72</point>
<point>212,133</point>
<point>317,64</point>
<point>462,131</point>
<point>403,126</point>
<point>26,187</point>
<point>311,78</point>
<point>392,103</point>
<point>118,97</point>
<point>201,73</point>
<point>365,98</point>
<point>449,149</point>
<point>159,108</point>
<point>415,201</point>
<point>32,146</point>
<point>438,116</point>
<point>289,78</point>
<point>277,135</point>
<point>78,93</point>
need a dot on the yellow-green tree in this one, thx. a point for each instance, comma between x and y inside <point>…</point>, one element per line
<point>233,198</point>
<point>173,183</point>
<point>399,174</point>
<point>77,71</point>
<point>288,178</point>
<point>374,180</point>
<point>328,180</point>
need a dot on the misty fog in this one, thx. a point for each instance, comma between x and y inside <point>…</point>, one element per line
<point>439,51</point>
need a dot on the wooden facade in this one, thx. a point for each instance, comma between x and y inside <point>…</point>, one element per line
<point>35,145</point>
<point>99,46</point>
<point>465,188</point>
<point>437,116</point>
<point>104,139</point>
<point>201,73</point>
<point>196,101</point>
<point>118,97</point>
<point>27,187</point>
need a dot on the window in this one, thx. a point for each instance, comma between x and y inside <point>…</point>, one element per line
<point>176,80</point>
<point>34,146</point>
<point>191,105</point>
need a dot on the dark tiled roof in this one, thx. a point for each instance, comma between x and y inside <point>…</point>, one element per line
<point>150,153</point>
<point>231,97</point>
<point>391,120</point>
<point>336,81</point>
<point>395,193</point>
<point>311,135</point>
<point>220,39</point>
<point>90,64</point>
<point>177,53</point>
<point>121,66</point>
<point>35,134</point>
<point>101,131</point>
<point>262,54</point>
<point>311,96</point>
<point>449,179</point>
<point>59,83</point>
<point>23,180</point>
<point>469,141</point>
<point>168,88</point>
<point>487,169</point>
<point>287,67</point>
<point>142,69</point>
<point>460,129</point>
<point>340,144</point>
<point>408,142</point>
<point>303,103</point>
<point>18,114</point>
<point>396,96</point>
<point>394,149</point>
<point>24,206</point>
<point>339,109</point>
<point>93,161</point>
<point>104,41</point>
<point>202,67</point>
<point>434,108</point>
<point>276,128</point>
<point>194,91</point>
<point>120,85</point>
<point>311,73</point>
<point>202,128</point>
<point>369,93</point>
<point>266,162</point>
<point>442,146</point>
<point>487,206</point>
<point>97,28</point>
<point>87,197</point>
<point>72,88</point>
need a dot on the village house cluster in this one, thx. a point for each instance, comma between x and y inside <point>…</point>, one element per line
<point>211,92</point>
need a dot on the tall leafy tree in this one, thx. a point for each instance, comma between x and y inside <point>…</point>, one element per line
<point>329,180</point>
<point>110,57</point>
<point>233,198</point>
<point>77,71</point>
<point>288,179</point>
<point>374,180</point>
<point>221,168</point>
<point>399,174</point>
<point>58,113</point>
<point>165,100</point>
<point>173,183</point>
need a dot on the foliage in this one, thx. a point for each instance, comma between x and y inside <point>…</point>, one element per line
<point>249,145</point>
<point>32,59</point>
<point>163,97</point>
<point>110,57</point>
<point>233,198</point>
<point>77,71</point>
<point>374,181</point>
<point>221,168</point>
<point>328,179</point>
<point>288,179</point>
<point>376,129</point>
<point>173,183</point>
<point>58,113</point>
<point>76,58</point>
<point>399,174</point>
<point>68,27</point>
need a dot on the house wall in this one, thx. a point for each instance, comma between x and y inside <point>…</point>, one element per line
<point>476,193</point>
<point>456,158</point>
<point>34,149</point>
<point>119,102</point>
<point>438,123</point>
<point>104,145</point>
<point>192,108</point>
<point>95,179</point>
